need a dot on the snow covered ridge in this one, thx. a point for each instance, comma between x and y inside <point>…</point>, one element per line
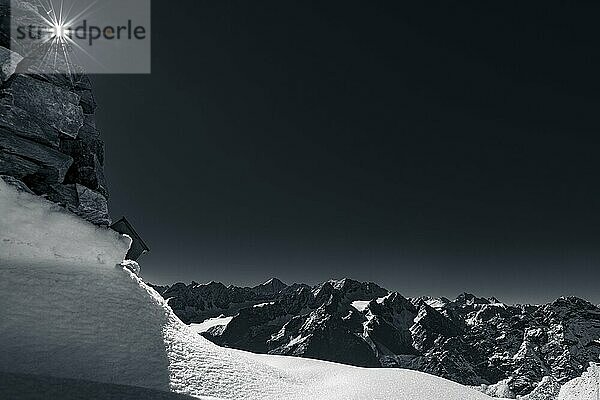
<point>59,234</point>
<point>71,316</point>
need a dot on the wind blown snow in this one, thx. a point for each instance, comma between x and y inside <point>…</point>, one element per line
<point>34,230</point>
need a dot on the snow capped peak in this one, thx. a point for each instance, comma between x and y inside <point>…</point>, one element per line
<point>470,299</point>
<point>566,301</point>
<point>436,302</point>
<point>272,286</point>
<point>347,283</point>
<point>273,281</point>
<point>339,283</point>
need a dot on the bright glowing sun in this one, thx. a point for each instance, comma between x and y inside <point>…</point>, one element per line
<point>60,31</point>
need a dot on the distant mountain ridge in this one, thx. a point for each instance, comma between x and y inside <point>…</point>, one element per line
<point>470,340</point>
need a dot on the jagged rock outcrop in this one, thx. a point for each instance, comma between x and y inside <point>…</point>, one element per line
<point>270,287</point>
<point>48,136</point>
<point>508,349</point>
<point>196,302</point>
<point>547,389</point>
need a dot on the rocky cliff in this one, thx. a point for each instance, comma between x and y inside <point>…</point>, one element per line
<point>48,136</point>
<point>510,349</point>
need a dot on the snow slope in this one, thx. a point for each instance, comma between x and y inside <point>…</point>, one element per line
<point>586,387</point>
<point>210,323</point>
<point>360,305</point>
<point>36,387</point>
<point>67,311</point>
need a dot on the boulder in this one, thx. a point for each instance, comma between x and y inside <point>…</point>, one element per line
<point>91,176</point>
<point>92,206</point>
<point>53,164</point>
<point>83,201</point>
<point>50,104</point>
<point>87,102</point>
<point>88,152</point>
<point>16,166</point>
<point>90,140</point>
<point>17,120</point>
<point>65,195</point>
<point>94,175</point>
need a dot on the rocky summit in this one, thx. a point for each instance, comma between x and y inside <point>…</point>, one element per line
<point>471,340</point>
<point>49,142</point>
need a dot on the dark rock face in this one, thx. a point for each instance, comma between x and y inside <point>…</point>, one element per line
<point>48,136</point>
<point>81,200</point>
<point>470,340</point>
<point>51,105</point>
<point>270,287</point>
<point>53,165</point>
<point>15,166</point>
<point>16,120</point>
<point>88,154</point>
<point>196,302</point>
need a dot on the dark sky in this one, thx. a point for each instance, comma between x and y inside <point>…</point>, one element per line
<point>431,147</point>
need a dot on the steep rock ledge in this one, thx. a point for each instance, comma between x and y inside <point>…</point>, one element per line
<point>48,135</point>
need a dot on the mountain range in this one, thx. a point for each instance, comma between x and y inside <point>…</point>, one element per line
<point>470,340</point>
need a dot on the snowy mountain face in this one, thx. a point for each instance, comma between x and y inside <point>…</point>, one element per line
<point>470,340</point>
<point>197,302</point>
